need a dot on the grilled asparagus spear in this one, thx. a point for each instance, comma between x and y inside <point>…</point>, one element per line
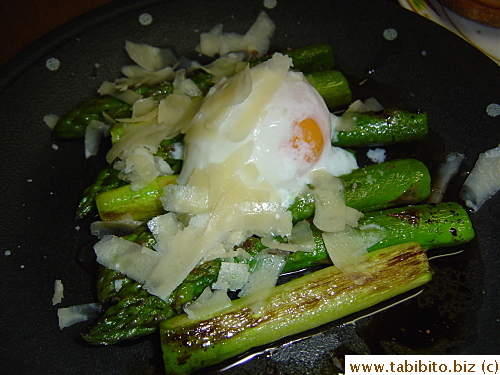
<point>441,225</point>
<point>301,304</point>
<point>399,182</point>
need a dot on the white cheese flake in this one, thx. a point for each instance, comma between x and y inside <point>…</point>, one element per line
<point>483,181</point>
<point>126,257</point>
<point>232,276</point>
<point>78,313</point>
<point>346,247</point>
<point>58,292</point>
<point>51,120</point>
<point>208,304</point>
<point>376,155</point>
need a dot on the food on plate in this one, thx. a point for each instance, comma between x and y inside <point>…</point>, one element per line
<point>223,177</point>
<point>483,181</point>
<point>304,303</point>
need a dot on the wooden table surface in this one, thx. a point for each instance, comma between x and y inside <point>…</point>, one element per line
<point>24,21</point>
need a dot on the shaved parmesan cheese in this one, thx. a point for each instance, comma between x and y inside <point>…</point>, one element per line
<point>300,239</point>
<point>190,199</point>
<point>268,78</point>
<point>178,151</point>
<point>232,276</point>
<point>149,57</point>
<point>58,292</point>
<point>186,86</point>
<point>149,137</point>
<point>376,155</point>
<point>483,181</point>
<point>211,41</point>
<point>347,121</point>
<point>302,236</point>
<point>163,227</point>
<point>331,213</point>
<point>346,247</point>
<point>225,66</point>
<point>208,304</point>
<point>224,95</point>
<point>51,120</point>
<point>179,255</point>
<point>369,105</point>
<point>258,37</point>
<point>78,313</point>
<point>446,171</point>
<point>127,96</point>
<point>255,42</point>
<point>118,284</point>
<point>176,111</point>
<point>274,244</point>
<point>264,276</point>
<point>126,257</point>
<point>143,106</point>
<point>144,118</point>
<point>93,134</point>
<point>137,76</point>
<point>141,168</point>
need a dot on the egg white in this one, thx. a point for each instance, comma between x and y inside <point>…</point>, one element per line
<point>235,117</point>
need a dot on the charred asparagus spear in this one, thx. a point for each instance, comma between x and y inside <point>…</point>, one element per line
<point>386,127</point>
<point>399,182</point>
<point>301,304</point>
<point>445,224</point>
<point>433,226</point>
<point>378,186</point>
<point>136,313</point>
<point>74,123</point>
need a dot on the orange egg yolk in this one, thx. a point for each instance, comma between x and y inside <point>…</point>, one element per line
<point>308,139</point>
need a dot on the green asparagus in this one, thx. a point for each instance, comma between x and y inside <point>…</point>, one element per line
<point>106,180</point>
<point>135,312</point>
<point>301,304</point>
<point>377,186</point>
<point>332,86</point>
<point>433,226</point>
<point>388,184</point>
<point>312,58</point>
<point>138,205</point>
<point>393,267</point>
<point>386,127</point>
<point>74,123</point>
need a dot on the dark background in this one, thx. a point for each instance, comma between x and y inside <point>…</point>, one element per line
<point>24,21</point>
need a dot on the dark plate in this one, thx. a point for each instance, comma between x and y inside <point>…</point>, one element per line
<point>425,67</point>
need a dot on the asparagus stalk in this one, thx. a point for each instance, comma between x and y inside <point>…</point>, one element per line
<point>386,127</point>
<point>377,186</point>
<point>312,58</point>
<point>138,205</point>
<point>301,304</point>
<point>388,184</point>
<point>74,123</point>
<point>403,181</point>
<point>136,313</point>
<point>441,225</point>
<point>433,226</point>
<point>332,86</point>
<point>106,180</point>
